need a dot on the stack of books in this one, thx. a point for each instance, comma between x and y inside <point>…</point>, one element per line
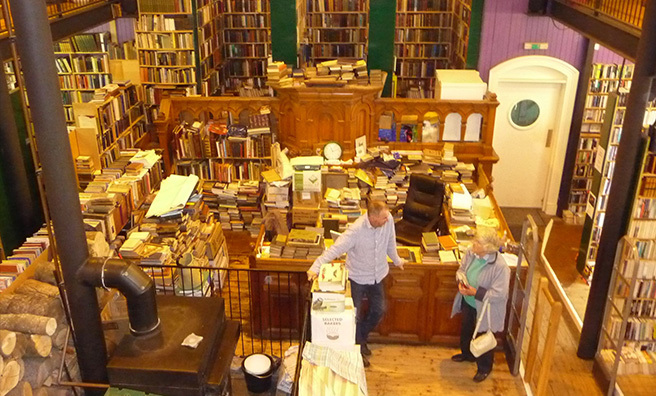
<point>277,72</point>
<point>23,257</point>
<point>249,196</point>
<point>277,245</point>
<point>431,245</point>
<point>448,158</point>
<point>466,172</point>
<point>84,168</point>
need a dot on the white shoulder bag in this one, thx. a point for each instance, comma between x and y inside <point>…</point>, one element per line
<point>485,342</point>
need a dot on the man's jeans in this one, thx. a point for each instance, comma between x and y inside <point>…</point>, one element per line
<point>376,296</point>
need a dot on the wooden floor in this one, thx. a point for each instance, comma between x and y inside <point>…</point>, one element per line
<point>428,370</point>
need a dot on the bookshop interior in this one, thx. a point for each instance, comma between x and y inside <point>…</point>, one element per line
<point>171,170</point>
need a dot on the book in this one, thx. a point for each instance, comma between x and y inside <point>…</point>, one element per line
<point>447,242</point>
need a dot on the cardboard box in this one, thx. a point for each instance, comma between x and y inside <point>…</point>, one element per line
<point>329,301</point>
<point>387,127</point>
<point>459,85</point>
<point>334,329</point>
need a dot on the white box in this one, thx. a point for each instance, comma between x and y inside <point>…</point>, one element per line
<point>334,329</point>
<point>459,85</point>
<point>329,301</point>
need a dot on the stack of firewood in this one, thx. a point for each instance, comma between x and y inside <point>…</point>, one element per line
<point>33,331</point>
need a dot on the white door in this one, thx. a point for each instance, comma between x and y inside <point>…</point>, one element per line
<point>524,135</point>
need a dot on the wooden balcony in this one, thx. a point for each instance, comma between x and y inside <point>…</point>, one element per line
<point>616,24</point>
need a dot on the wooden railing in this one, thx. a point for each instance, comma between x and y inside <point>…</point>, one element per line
<point>305,122</point>
<point>56,9</point>
<point>629,12</point>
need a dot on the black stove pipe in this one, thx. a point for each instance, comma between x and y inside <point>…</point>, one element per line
<point>34,41</point>
<point>137,287</point>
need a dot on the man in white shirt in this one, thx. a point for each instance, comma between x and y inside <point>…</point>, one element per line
<point>367,242</point>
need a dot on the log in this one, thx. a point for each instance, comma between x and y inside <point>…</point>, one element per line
<point>7,342</point>
<point>32,345</point>
<point>44,271</point>
<point>53,391</point>
<point>59,338</point>
<point>22,389</point>
<point>34,303</point>
<point>28,323</point>
<point>33,286</point>
<point>11,375</point>
<point>37,371</point>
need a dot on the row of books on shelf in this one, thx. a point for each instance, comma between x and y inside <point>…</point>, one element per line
<point>148,22</point>
<point>247,36</point>
<point>436,35</point>
<point>596,101</point>
<point>153,95</point>
<point>185,75</point>
<point>336,5</point>
<point>423,68</point>
<point>583,171</point>
<point>643,229</point>
<point>213,146</point>
<point>70,97</point>
<point>98,42</point>
<point>418,20</point>
<point>326,51</point>
<point>637,329</point>
<point>633,360</point>
<point>176,6</point>
<point>643,270</point>
<point>23,257</point>
<point>116,104</point>
<point>607,86</point>
<point>246,21</point>
<point>648,187</point>
<point>422,50</point>
<point>84,81</point>
<point>645,208</point>
<point>246,6</point>
<point>243,50</point>
<point>581,184</point>
<point>588,143</point>
<point>594,115</point>
<point>82,64</point>
<point>612,70</point>
<point>172,40</point>
<point>178,58</point>
<point>337,20</point>
<point>223,172</point>
<point>423,5</point>
<point>243,67</point>
<point>337,35</point>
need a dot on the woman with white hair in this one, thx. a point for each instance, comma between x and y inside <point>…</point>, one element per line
<point>483,275</point>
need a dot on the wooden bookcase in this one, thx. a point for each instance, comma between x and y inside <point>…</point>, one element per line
<point>82,63</point>
<point>335,29</point>
<point>422,44</point>
<point>247,38</point>
<point>165,37</point>
<point>104,128</point>
<point>627,345</point>
<point>603,169</point>
<point>210,45</point>
<point>605,78</point>
<point>461,22</point>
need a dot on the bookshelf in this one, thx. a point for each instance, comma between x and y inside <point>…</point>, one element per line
<point>210,45</point>
<point>247,44</point>
<point>461,22</point>
<point>605,78</point>
<point>166,48</point>
<point>82,63</point>
<point>213,151</point>
<point>422,44</point>
<point>335,29</point>
<point>603,168</point>
<point>106,126</point>
<point>627,345</point>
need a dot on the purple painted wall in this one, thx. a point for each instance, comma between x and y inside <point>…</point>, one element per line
<point>604,55</point>
<point>506,28</point>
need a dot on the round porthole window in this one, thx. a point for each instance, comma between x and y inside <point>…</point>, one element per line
<point>524,113</point>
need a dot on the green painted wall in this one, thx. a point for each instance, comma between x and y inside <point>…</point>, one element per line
<point>283,31</point>
<point>474,46</point>
<point>10,232</point>
<point>382,22</point>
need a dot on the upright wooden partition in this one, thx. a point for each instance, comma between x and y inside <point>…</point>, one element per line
<point>306,118</point>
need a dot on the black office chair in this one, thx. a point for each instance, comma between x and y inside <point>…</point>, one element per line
<point>422,211</point>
